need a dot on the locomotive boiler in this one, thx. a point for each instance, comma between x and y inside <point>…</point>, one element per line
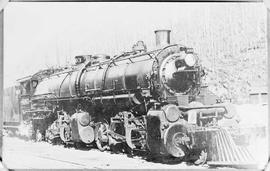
<point>143,100</point>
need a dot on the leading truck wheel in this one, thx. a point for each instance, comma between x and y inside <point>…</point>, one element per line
<point>102,139</point>
<point>176,141</point>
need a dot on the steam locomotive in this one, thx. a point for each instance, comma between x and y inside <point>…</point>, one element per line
<point>150,101</point>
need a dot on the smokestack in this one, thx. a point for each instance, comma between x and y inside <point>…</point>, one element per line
<point>163,37</point>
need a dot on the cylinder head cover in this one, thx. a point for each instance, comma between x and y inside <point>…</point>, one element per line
<point>84,118</point>
<point>172,113</point>
<point>87,134</point>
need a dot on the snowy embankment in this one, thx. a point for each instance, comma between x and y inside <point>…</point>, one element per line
<point>255,119</point>
<point>253,115</point>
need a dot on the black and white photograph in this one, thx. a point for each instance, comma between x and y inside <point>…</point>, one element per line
<point>135,85</point>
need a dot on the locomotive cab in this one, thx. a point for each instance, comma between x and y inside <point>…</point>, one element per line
<point>27,85</point>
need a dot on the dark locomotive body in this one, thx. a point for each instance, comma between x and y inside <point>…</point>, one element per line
<point>149,101</point>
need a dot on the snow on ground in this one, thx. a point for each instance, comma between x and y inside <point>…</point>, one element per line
<point>20,154</point>
<point>255,117</point>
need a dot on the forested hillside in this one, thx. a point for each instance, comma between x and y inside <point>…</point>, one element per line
<point>231,43</point>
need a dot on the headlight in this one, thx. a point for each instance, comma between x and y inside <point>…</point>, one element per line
<point>190,60</point>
